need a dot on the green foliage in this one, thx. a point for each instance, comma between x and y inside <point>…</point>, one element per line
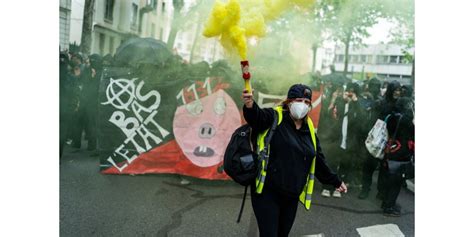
<point>402,13</point>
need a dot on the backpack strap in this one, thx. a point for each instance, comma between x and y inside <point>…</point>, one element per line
<point>243,204</point>
<point>396,128</point>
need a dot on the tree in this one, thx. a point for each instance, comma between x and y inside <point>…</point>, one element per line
<point>86,39</point>
<point>177,21</point>
<point>402,12</point>
<point>349,21</point>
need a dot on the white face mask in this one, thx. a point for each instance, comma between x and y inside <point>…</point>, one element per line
<point>298,109</point>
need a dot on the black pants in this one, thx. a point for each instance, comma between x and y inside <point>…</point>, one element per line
<point>91,128</point>
<point>64,129</point>
<point>85,121</point>
<point>368,168</point>
<point>80,123</point>
<point>275,212</point>
<point>391,189</point>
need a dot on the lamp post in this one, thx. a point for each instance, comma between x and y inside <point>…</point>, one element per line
<point>314,47</point>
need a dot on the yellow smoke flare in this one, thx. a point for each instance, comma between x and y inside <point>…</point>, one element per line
<point>239,19</point>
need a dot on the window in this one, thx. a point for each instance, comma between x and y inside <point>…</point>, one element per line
<point>133,20</point>
<point>382,59</point>
<point>109,10</point>
<point>363,58</point>
<point>393,59</point>
<point>369,59</point>
<point>101,43</point>
<point>111,45</point>
<point>152,30</point>
<point>163,7</point>
<point>154,4</point>
<point>353,58</point>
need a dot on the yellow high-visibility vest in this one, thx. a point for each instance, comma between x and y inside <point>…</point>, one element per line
<point>305,196</point>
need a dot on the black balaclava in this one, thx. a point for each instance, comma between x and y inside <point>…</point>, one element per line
<point>391,87</point>
<point>374,87</point>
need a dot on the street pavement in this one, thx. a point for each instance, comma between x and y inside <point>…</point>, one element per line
<point>93,204</point>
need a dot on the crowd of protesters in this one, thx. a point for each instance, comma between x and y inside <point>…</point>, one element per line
<point>349,110</point>
<point>79,86</point>
<point>348,113</point>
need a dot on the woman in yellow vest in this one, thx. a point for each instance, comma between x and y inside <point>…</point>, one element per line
<point>294,159</point>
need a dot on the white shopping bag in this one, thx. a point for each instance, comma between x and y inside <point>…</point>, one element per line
<point>377,138</point>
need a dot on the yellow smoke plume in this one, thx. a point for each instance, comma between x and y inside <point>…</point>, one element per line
<point>237,20</point>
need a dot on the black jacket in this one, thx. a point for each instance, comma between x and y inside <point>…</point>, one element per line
<point>291,153</point>
<point>353,127</point>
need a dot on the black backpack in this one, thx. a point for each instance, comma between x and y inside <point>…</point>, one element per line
<point>241,162</point>
<point>240,157</point>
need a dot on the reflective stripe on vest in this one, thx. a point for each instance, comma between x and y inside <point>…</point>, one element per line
<point>305,196</point>
<point>260,181</point>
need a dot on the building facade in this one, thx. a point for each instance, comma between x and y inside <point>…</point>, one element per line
<point>115,21</point>
<point>386,61</point>
<point>64,23</point>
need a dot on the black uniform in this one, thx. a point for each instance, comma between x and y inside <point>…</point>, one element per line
<point>291,154</point>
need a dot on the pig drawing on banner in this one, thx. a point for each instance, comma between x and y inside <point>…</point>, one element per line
<point>201,115</point>
<point>203,127</point>
<point>141,130</point>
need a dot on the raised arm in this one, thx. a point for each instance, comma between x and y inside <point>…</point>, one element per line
<point>259,119</point>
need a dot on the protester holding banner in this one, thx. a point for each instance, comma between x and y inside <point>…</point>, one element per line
<point>91,90</point>
<point>291,163</point>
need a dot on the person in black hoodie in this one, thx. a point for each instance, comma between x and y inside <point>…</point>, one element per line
<point>328,130</point>
<point>387,105</point>
<point>384,107</point>
<point>91,93</point>
<point>348,112</point>
<point>68,100</point>
<point>398,154</point>
<point>369,117</point>
<point>290,157</point>
<point>406,91</point>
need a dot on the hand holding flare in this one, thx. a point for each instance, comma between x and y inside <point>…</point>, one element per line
<point>246,75</point>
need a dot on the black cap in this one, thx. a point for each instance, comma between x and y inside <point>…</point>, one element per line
<point>299,91</point>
